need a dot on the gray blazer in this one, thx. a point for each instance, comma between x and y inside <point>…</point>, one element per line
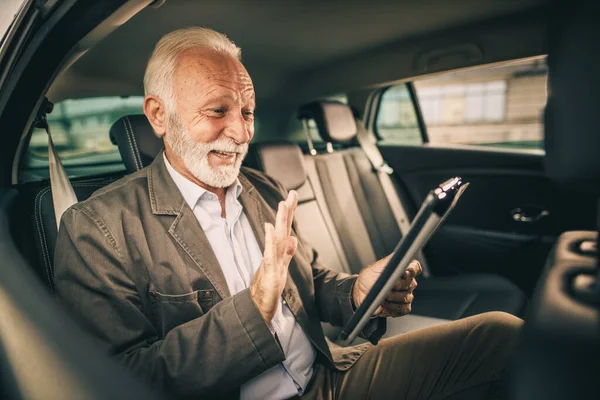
<point>134,266</point>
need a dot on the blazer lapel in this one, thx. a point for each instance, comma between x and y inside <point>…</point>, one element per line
<point>166,199</point>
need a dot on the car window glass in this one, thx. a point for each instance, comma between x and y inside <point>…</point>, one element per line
<point>499,106</point>
<point>80,131</point>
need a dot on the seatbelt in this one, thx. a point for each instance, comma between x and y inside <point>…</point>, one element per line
<point>63,195</point>
<point>384,173</point>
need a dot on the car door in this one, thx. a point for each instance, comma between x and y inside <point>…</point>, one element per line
<point>484,125</point>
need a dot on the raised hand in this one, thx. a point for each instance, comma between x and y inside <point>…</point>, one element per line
<point>280,247</point>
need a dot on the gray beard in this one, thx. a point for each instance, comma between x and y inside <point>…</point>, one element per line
<point>195,156</point>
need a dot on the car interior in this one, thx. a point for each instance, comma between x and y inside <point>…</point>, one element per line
<point>362,108</point>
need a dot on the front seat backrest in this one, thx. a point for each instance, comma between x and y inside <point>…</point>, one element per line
<point>137,142</point>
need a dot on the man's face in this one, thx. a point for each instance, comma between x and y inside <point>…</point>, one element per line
<point>214,116</point>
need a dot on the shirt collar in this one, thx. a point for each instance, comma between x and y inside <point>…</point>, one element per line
<point>190,191</point>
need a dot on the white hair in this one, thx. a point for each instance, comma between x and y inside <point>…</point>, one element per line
<point>160,71</point>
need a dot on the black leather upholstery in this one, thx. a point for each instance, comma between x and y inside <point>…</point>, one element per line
<point>335,121</point>
<point>136,140</point>
<point>45,224</point>
<point>285,162</point>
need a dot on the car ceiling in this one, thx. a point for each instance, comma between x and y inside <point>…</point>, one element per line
<point>280,40</point>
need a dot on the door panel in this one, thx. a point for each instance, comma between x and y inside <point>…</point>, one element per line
<point>481,234</point>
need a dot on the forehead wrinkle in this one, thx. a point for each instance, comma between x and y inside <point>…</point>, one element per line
<point>203,75</point>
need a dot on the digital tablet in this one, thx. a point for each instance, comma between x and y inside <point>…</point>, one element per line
<point>436,207</point>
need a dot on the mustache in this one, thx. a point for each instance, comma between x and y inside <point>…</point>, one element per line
<point>227,145</point>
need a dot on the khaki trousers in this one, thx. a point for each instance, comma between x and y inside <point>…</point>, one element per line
<point>462,359</point>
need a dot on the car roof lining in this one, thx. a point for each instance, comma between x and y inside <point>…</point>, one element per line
<point>298,50</point>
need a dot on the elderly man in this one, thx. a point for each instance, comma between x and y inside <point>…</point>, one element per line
<point>191,271</point>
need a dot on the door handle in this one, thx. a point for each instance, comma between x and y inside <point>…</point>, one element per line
<point>528,216</point>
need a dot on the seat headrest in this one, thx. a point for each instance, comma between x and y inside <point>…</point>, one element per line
<point>335,121</point>
<point>571,123</point>
<point>136,140</point>
<point>283,161</point>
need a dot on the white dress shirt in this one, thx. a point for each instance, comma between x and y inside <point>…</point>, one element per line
<point>234,244</point>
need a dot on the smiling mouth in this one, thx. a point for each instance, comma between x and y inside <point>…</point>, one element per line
<point>225,155</point>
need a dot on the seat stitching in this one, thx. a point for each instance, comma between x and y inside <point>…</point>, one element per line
<point>40,228</point>
<point>42,235</point>
<point>367,213</point>
<point>349,246</point>
<point>135,146</point>
<point>135,149</point>
<point>130,144</point>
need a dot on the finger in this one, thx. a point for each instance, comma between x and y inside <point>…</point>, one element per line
<point>380,312</point>
<point>395,310</point>
<point>400,297</point>
<point>281,228</point>
<point>269,245</point>
<point>405,285</point>
<point>401,285</point>
<point>418,267</point>
<point>292,203</point>
<point>415,268</point>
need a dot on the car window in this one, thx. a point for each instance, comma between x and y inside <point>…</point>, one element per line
<point>499,106</point>
<point>80,130</point>
<point>396,118</point>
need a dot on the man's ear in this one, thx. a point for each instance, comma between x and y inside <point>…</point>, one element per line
<point>155,111</point>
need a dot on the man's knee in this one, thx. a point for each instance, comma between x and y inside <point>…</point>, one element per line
<point>497,326</point>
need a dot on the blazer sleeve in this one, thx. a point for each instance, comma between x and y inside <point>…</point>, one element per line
<point>216,352</point>
<point>333,297</point>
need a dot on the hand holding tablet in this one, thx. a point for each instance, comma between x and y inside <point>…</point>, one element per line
<point>399,300</point>
<point>436,207</point>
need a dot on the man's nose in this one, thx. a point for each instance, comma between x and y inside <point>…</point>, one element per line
<point>238,129</point>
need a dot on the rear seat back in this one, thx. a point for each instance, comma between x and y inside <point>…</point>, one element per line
<point>353,192</point>
<point>286,164</point>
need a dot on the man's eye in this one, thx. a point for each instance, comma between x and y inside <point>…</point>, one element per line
<point>249,114</point>
<point>218,111</point>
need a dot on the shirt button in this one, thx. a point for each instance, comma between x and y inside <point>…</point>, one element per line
<point>284,302</point>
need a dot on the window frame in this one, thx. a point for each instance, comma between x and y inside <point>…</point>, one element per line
<point>416,108</point>
<point>374,106</point>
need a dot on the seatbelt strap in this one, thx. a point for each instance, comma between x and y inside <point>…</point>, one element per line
<point>63,195</point>
<point>384,173</point>
<point>309,141</point>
